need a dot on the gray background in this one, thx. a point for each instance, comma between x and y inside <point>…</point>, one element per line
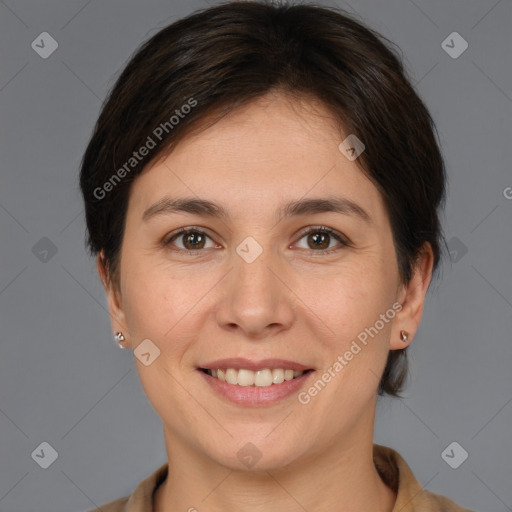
<point>62,378</point>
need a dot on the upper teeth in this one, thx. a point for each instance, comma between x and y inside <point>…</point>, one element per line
<point>260,378</point>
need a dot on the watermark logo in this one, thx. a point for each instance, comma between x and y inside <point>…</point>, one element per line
<point>249,249</point>
<point>44,45</point>
<point>45,455</point>
<point>454,45</point>
<point>44,249</point>
<point>249,455</point>
<point>351,147</point>
<point>454,455</point>
<point>146,352</point>
<point>457,249</point>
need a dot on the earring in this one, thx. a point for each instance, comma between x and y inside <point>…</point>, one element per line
<point>118,336</point>
<point>404,335</point>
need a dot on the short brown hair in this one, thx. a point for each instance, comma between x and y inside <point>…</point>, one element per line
<point>225,56</point>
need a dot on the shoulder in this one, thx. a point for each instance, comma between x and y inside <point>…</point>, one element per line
<point>141,500</point>
<point>437,502</point>
<point>411,497</point>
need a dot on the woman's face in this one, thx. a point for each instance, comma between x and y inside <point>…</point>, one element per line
<point>257,286</point>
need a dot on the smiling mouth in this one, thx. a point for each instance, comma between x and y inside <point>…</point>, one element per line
<point>261,378</point>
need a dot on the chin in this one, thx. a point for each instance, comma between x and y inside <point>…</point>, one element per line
<point>256,453</point>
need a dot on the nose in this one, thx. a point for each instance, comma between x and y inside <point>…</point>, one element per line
<point>256,299</point>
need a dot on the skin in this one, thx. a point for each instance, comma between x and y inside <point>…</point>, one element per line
<point>291,303</point>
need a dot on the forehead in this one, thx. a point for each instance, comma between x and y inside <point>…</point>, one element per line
<point>271,151</point>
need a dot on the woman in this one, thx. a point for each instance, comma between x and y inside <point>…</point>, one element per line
<point>262,191</point>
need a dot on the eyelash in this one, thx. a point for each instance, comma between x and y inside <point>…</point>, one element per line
<point>318,229</point>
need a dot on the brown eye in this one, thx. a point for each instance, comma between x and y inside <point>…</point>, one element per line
<point>191,240</point>
<point>319,239</point>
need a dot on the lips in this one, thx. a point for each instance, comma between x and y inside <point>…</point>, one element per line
<point>255,382</point>
<point>269,383</point>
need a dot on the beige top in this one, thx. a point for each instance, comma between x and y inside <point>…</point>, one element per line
<point>392,468</point>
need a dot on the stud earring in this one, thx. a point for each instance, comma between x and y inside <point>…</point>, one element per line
<point>118,336</point>
<point>404,335</point>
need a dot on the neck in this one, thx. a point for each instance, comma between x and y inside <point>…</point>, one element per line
<point>343,478</point>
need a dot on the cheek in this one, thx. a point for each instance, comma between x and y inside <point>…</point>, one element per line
<point>348,322</point>
<point>165,305</point>
<point>150,306</point>
<point>349,297</point>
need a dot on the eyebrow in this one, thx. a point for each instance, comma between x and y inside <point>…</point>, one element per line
<point>168,206</point>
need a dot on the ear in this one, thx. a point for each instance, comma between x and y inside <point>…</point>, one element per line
<point>117,316</point>
<point>412,299</point>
